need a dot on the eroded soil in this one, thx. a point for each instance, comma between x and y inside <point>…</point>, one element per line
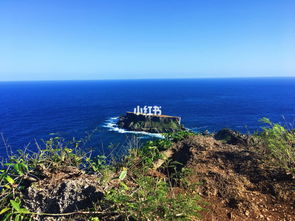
<point>235,180</point>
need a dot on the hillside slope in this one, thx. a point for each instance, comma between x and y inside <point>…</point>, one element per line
<point>235,180</point>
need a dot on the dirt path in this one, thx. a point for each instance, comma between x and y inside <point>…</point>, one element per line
<point>235,181</point>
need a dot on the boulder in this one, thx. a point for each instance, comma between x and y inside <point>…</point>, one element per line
<point>234,137</point>
<point>62,191</point>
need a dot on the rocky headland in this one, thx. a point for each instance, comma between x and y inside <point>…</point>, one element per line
<point>230,173</point>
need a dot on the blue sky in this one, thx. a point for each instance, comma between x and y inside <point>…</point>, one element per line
<point>108,39</point>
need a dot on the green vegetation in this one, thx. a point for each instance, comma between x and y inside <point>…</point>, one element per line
<point>178,135</point>
<point>131,191</point>
<point>21,167</point>
<point>280,144</point>
<point>153,199</point>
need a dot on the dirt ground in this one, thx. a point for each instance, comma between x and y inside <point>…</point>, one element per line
<point>236,181</point>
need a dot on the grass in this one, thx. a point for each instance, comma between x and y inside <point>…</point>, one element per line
<point>132,189</point>
<point>280,143</point>
<point>131,192</point>
<point>151,198</point>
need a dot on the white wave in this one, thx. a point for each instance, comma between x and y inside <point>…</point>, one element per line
<point>111,124</point>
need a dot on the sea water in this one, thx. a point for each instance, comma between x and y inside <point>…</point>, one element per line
<point>31,111</point>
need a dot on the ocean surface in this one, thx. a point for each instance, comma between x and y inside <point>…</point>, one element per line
<point>31,111</point>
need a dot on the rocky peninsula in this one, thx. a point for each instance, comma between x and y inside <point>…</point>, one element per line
<point>150,123</point>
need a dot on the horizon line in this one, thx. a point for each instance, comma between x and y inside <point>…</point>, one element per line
<point>125,79</point>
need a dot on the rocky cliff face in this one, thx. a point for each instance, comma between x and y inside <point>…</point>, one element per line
<point>150,123</point>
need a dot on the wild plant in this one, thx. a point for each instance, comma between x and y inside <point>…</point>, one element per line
<point>280,144</point>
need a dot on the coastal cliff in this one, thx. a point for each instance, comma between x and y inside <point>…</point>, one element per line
<point>150,123</point>
<point>224,176</point>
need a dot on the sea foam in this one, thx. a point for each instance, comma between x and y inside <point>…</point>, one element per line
<point>112,125</point>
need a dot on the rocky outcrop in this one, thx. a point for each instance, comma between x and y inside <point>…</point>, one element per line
<point>62,190</point>
<point>235,137</point>
<point>150,123</point>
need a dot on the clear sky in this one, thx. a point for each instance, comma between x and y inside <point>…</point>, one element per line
<point>116,39</point>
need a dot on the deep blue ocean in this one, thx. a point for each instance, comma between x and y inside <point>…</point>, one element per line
<point>33,110</point>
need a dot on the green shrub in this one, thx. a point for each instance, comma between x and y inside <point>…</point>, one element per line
<point>153,199</point>
<point>280,142</point>
<point>161,144</point>
<point>143,197</point>
<point>131,192</point>
<point>177,136</point>
<point>147,154</point>
<point>10,186</point>
<point>55,153</point>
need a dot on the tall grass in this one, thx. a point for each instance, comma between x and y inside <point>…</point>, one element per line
<point>280,143</point>
<point>131,192</point>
